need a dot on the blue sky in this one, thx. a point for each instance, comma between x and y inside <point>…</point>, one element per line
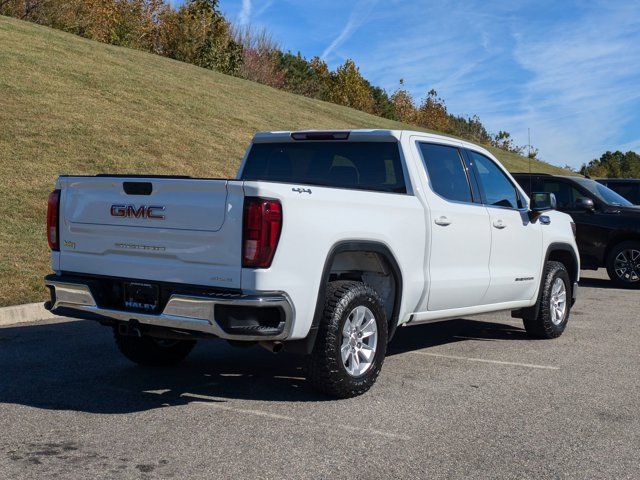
<point>569,70</point>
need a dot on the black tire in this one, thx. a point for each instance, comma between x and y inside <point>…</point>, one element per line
<point>538,320</point>
<point>634,265</point>
<point>153,352</point>
<point>327,372</point>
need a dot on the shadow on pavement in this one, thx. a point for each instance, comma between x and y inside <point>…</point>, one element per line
<point>597,283</point>
<point>76,366</point>
<point>450,331</point>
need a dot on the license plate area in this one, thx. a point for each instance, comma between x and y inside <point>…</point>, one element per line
<point>141,297</point>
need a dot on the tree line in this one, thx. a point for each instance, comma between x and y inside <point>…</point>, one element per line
<point>198,33</point>
<point>613,165</point>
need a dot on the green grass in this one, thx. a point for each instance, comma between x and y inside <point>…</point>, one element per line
<point>70,105</point>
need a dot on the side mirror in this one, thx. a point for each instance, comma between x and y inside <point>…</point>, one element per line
<point>584,203</point>
<point>542,201</point>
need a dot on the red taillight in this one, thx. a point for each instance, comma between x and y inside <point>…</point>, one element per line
<point>261,231</point>
<point>53,232</point>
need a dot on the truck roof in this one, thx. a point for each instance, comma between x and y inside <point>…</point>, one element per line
<point>286,135</point>
<point>619,180</point>
<point>356,135</point>
<point>550,175</point>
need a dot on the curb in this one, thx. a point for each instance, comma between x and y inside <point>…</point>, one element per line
<point>27,313</point>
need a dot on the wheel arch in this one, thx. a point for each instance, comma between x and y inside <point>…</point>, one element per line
<point>352,246</point>
<point>559,252</point>
<point>565,254</point>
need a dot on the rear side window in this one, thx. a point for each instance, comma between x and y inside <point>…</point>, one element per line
<point>497,189</point>
<point>359,165</point>
<point>529,184</point>
<point>566,195</point>
<point>446,172</point>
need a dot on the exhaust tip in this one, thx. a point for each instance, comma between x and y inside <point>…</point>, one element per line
<point>129,329</point>
<point>273,347</point>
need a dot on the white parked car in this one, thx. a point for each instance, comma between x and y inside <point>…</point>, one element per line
<point>325,244</point>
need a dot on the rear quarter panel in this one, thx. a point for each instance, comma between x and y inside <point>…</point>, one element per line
<point>314,222</point>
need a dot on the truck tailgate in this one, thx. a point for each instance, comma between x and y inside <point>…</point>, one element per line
<point>167,229</point>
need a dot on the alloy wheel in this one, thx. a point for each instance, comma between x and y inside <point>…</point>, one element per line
<point>558,301</point>
<point>627,265</point>
<point>359,341</point>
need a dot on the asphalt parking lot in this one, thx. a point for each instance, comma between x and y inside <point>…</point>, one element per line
<point>468,398</point>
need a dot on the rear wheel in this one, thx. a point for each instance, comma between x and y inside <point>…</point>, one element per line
<point>352,341</point>
<point>153,352</point>
<point>549,317</point>
<point>623,264</point>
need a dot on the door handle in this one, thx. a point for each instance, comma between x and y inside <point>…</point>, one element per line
<point>499,224</point>
<point>443,221</point>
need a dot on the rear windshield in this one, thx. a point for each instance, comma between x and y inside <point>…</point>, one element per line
<point>360,165</point>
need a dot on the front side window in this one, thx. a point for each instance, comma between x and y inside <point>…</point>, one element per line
<point>498,191</point>
<point>446,172</point>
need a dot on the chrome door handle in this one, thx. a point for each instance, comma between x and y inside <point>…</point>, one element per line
<point>499,224</point>
<point>443,221</point>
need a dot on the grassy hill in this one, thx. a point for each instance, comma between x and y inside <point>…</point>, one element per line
<point>70,105</point>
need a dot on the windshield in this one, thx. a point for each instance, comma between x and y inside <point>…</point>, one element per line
<point>359,165</point>
<point>605,194</point>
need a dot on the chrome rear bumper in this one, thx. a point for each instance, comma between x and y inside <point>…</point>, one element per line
<point>182,312</point>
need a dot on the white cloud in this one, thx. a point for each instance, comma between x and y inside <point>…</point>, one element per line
<point>263,8</point>
<point>583,86</point>
<point>570,70</point>
<point>632,145</point>
<point>244,18</point>
<point>574,80</point>
<point>358,16</point>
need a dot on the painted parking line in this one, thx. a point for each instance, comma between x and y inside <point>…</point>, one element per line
<point>484,360</point>
<point>214,403</point>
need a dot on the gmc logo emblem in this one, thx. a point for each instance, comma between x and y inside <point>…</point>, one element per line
<point>143,211</point>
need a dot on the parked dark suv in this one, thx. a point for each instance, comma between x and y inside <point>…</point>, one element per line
<point>608,225</point>
<point>629,188</point>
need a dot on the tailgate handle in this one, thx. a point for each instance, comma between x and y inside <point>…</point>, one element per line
<point>137,188</point>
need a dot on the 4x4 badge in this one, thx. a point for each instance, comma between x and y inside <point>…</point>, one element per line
<point>301,190</point>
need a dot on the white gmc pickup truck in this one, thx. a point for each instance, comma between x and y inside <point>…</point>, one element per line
<point>324,244</point>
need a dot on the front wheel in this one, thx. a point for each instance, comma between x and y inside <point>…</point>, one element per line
<point>153,352</point>
<point>623,264</point>
<point>549,317</point>
<point>352,341</point>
